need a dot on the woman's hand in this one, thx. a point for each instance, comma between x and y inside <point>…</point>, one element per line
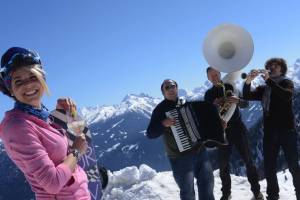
<point>80,144</point>
<point>67,104</point>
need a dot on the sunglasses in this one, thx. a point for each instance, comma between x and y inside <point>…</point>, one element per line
<point>20,59</point>
<point>168,87</point>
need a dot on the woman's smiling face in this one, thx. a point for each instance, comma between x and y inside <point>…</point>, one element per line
<point>26,87</point>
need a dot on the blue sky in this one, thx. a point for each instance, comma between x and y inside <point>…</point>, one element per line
<point>98,51</point>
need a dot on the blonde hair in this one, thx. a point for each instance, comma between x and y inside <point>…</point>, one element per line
<point>40,74</point>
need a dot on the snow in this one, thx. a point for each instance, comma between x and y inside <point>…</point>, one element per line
<point>294,73</point>
<point>118,123</point>
<point>143,132</point>
<point>141,103</point>
<point>98,113</point>
<point>144,183</point>
<point>113,147</point>
<point>127,148</point>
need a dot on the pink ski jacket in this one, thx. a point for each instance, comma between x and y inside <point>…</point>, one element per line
<point>39,149</point>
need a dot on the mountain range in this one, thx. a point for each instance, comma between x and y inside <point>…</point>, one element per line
<point>119,137</point>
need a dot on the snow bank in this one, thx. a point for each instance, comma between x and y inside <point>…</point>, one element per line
<point>144,183</point>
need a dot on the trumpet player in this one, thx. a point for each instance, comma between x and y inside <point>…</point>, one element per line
<point>279,122</point>
<point>236,133</point>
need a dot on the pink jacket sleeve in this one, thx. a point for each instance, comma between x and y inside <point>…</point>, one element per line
<point>25,149</point>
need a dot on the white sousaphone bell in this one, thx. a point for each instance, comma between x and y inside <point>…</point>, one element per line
<point>228,48</point>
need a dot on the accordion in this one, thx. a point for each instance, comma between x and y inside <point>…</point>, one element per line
<point>197,123</point>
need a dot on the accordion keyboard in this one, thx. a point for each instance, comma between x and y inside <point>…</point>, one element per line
<point>182,140</point>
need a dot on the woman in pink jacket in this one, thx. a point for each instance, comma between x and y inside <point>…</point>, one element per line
<point>36,145</point>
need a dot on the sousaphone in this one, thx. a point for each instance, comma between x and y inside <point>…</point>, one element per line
<point>228,48</point>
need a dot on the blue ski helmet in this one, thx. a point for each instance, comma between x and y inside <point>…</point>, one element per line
<point>14,58</point>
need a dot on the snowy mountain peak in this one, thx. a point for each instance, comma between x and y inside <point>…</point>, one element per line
<point>294,73</point>
<point>133,99</point>
<point>138,103</point>
<point>297,62</point>
<point>195,94</point>
<point>135,96</point>
<point>183,92</point>
<point>144,104</point>
<point>141,103</point>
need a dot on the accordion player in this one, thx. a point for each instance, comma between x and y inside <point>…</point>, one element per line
<point>196,122</point>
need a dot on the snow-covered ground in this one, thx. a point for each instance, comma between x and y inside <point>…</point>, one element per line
<point>144,183</point>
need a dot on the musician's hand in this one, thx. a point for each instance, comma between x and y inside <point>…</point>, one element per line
<point>265,75</point>
<point>218,101</point>
<point>251,76</point>
<point>233,99</point>
<point>67,104</point>
<point>168,122</point>
<point>224,124</point>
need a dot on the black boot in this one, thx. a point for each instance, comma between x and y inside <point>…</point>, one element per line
<point>259,196</point>
<point>226,196</point>
<point>273,197</point>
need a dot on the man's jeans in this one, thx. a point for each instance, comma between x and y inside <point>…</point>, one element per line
<point>194,165</point>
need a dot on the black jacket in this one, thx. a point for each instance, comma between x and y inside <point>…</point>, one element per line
<point>156,129</point>
<point>217,92</point>
<point>206,112</point>
<point>280,113</point>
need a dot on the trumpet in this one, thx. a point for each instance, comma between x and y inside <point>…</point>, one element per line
<point>257,71</point>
